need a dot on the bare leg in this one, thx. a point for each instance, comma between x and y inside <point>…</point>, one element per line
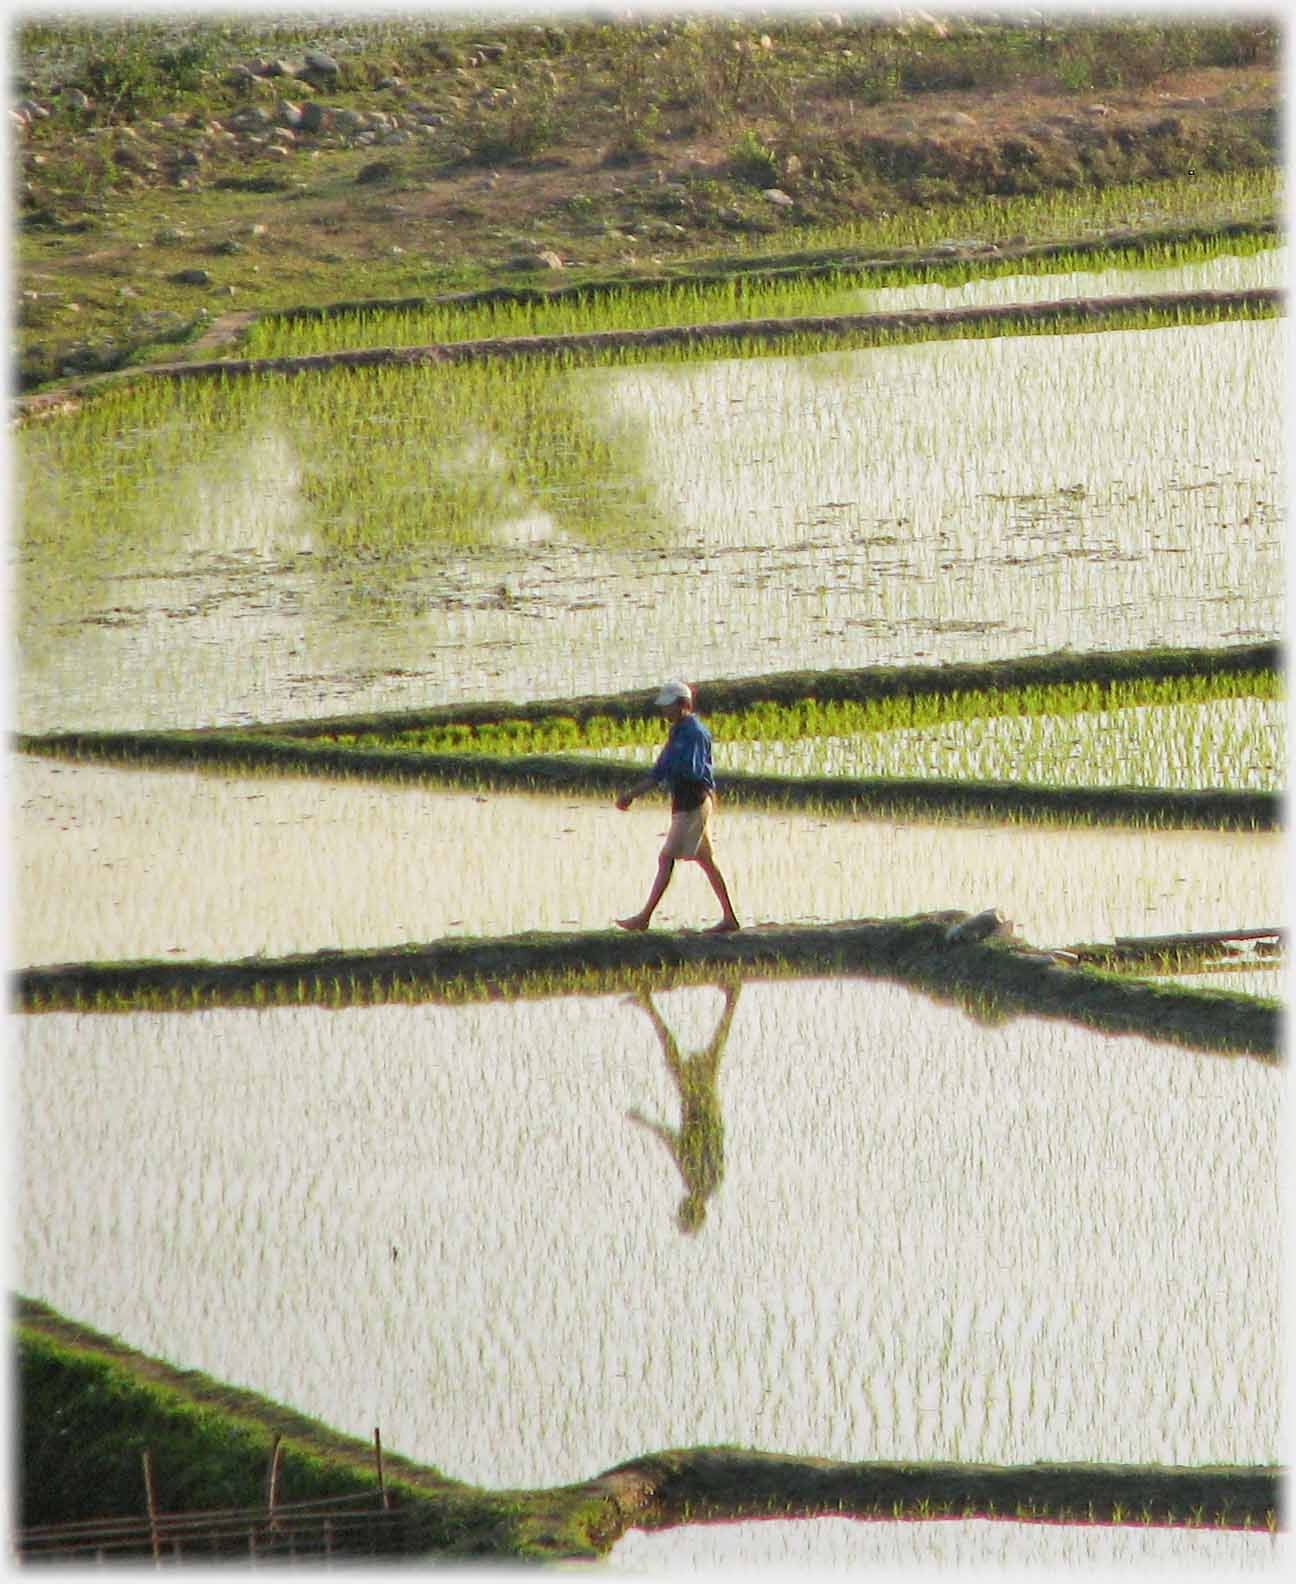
<point>730,919</point>
<point>640,920</point>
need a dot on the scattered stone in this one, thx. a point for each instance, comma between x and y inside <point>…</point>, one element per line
<point>170,236</point>
<point>400,135</point>
<point>1096,109</point>
<point>491,52</point>
<point>776,195</point>
<point>316,117</point>
<point>249,118</point>
<point>191,277</point>
<point>287,114</point>
<point>320,64</point>
<point>979,927</point>
<point>347,122</point>
<point>545,259</point>
<point>227,248</point>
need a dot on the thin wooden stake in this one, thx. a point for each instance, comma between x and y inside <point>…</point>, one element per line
<point>151,1499</point>
<point>382,1488</point>
<point>272,1480</point>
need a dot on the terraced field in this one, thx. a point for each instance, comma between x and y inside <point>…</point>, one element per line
<point>346,667</point>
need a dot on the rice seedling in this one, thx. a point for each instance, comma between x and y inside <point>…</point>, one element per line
<point>770,727</point>
<point>1062,213</point>
<point>1236,265</point>
<point>1237,745</point>
<point>832,1165</point>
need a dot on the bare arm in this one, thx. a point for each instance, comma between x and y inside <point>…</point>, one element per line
<point>637,790</point>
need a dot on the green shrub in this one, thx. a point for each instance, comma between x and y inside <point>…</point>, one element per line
<point>750,160</point>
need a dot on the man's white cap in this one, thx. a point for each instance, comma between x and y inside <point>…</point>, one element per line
<point>672,693</point>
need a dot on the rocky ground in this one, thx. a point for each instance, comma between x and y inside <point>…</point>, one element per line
<point>158,189</point>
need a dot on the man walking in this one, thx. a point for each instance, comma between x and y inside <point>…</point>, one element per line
<point>684,765</point>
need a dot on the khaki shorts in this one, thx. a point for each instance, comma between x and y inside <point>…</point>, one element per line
<point>690,834</point>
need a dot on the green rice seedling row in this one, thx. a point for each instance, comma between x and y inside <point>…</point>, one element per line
<point>1225,197</point>
<point>1238,265</point>
<point>797,336</point>
<point>814,717</point>
<point>1238,745</point>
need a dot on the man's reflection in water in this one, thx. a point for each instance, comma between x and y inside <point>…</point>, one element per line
<point>698,1145</point>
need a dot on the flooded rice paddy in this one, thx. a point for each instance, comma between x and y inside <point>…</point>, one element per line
<point>840,1544</point>
<point>531,1240</point>
<point>1225,273</point>
<point>1232,744</point>
<point>113,863</point>
<point>278,548</point>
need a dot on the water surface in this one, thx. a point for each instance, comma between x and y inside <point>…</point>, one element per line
<point>279,549</point>
<point>912,1236</point>
<point>114,863</point>
<point>840,1544</point>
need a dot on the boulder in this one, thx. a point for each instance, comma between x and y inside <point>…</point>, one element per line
<point>776,195</point>
<point>317,63</point>
<point>980,926</point>
<point>315,117</point>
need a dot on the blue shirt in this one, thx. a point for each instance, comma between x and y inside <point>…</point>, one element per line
<point>686,756</point>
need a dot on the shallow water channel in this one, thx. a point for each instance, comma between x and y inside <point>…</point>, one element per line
<point>112,863</point>
<point>830,1218</point>
<point>194,564</point>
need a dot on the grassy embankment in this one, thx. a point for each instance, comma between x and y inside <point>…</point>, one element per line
<point>91,1406</point>
<point>620,148</point>
<point>990,979</point>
